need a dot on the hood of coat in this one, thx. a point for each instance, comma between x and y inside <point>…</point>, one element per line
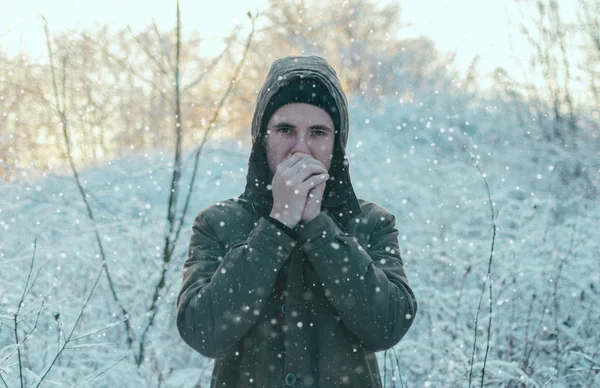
<point>339,198</point>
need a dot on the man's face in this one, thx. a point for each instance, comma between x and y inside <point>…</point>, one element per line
<point>299,127</point>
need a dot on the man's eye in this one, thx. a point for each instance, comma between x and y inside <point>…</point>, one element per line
<point>320,133</point>
<point>284,129</point>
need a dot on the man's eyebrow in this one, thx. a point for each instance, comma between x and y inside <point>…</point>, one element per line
<point>319,126</point>
<point>316,126</point>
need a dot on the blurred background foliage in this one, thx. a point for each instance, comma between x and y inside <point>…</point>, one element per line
<point>117,87</point>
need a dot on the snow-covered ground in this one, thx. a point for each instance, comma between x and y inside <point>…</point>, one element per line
<point>416,161</point>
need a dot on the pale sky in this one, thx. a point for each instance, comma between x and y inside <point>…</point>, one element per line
<point>470,27</point>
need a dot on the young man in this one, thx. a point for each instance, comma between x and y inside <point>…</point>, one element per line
<point>296,282</point>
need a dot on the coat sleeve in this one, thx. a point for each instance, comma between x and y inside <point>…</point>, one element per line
<point>224,290</point>
<point>368,288</point>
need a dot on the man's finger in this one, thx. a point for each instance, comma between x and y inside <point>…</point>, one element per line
<point>313,181</point>
<point>308,159</point>
<point>290,161</point>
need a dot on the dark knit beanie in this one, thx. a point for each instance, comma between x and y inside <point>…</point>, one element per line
<point>306,90</point>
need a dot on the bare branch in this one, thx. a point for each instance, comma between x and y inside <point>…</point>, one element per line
<point>162,43</point>
<point>34,280</point>
<point>123,63</point>
<point>488,277</point>
<point>92,345</point>
<point>16,316</point>
<point>212,65</point>
<point>54,87</point>
<point>157,370</point>
<point>160,67</point>
<point>68,339</point>
<point>97,331</point>
<point>150,322</point>
<point>556,305</point>
<point>198,151</point>
<point>104,371</point>
<point>585,356</point>
<point>18,345</point>
<point>46,306</point>
<point>173,192</point>
<point>28,277</point>
<point>61,113</point>
<point>170,239</point>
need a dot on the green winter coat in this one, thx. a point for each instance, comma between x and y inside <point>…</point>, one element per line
<point>302,307</point>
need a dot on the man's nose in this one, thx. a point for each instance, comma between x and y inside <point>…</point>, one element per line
<point>301,145</point>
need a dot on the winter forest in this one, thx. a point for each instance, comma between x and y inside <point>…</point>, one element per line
<point>115,137</point>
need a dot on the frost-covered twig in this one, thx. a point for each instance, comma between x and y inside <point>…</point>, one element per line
<point>538,331</point>
<point>102,372</point>
<point>211,124</point>
<point>385,356</point>
<point>62,113</point>
<point>68,339</point>
<point>556,306</point>
<point>459,298</point>
<point>159,65</point>
<point>163,44</point>
<point>18,345</point>
<point>80,346</point>
<point>488,277</point>
<point>97,331</point>
<point>210,67</point>
<point>173,192</point>
<point>156,368</point>
<point>124,64</point>
<point>597,363</point>
<point>46,306</point>
<point>150,321</point>
<point>174,231</point>
<point>527,345</point>
<point>176,177</point>
<point>16,315</point>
